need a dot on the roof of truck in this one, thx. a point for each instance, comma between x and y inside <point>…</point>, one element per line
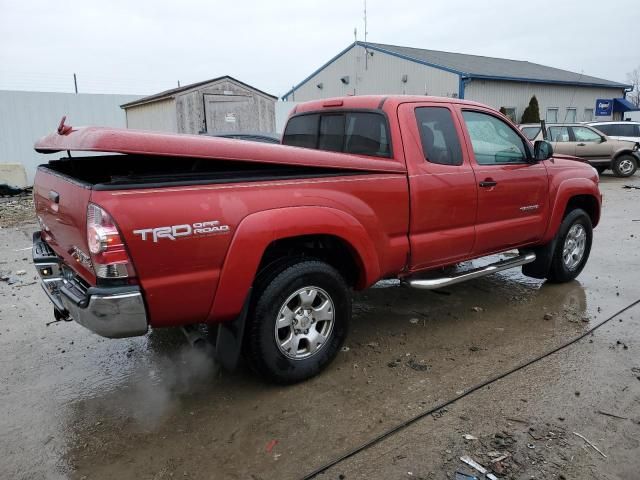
<point>374,102</point>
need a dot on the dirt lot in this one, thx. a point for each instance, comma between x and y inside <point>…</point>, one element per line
<point>74,405</point>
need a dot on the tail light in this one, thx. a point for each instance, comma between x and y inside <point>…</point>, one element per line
<point>108,252</point>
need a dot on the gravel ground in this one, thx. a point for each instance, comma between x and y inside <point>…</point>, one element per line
<point>74,405</point>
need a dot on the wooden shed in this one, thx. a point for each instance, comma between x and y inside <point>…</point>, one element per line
<point>219,105</point>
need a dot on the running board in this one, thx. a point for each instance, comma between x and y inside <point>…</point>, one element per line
<point>433,283</point>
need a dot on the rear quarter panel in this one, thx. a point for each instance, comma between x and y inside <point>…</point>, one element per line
<point>180,277</point>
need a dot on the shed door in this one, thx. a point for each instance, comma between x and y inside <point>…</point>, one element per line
<point>230,113</point>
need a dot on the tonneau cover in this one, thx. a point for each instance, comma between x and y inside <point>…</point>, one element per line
<point>119,140</point>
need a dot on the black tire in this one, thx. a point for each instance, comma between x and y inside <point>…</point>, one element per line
<point>601,169</point>
<point>262,352</point>
<point>624,165</point>
<point>560,272</point>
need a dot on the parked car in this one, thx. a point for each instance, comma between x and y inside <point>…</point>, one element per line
<point>268,241</point>
<point>587,142</point>
<point>629,131</point>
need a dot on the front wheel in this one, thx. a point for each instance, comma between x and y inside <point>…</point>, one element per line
<point>573,246</point>
<point>624,165</point>
<point>298,322</point>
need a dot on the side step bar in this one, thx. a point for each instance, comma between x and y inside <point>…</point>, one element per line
<point>433,283</point>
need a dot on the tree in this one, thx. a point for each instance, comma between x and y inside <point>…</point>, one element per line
<point>634,80</point>
<point>531,114</point>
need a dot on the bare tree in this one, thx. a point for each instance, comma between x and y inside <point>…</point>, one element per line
<point>634,80</point>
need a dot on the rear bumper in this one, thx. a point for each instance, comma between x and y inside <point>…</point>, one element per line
<point>113,312</point>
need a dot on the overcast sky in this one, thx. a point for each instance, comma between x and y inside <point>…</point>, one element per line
<point>144,46</point>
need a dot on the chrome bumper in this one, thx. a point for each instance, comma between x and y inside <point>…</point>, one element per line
<point>113,312</point>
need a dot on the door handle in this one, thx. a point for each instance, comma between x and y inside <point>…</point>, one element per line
<point>581,144</point>
<point>488,183</point>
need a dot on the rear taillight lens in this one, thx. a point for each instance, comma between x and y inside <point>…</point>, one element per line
<point>108,252</point>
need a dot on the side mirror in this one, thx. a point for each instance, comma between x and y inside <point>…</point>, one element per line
<point>542,150</point>
<point>603,139</point>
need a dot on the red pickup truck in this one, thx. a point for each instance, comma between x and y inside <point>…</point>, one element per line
<point>268,241</point>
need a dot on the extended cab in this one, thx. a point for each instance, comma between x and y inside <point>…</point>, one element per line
<point>267,241</point>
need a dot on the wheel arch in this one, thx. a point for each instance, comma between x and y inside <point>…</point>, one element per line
<point>262,236</point>
<point>574,193</point>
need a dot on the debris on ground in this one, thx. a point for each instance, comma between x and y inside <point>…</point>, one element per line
<point>590,444</point>
<point>17,209</point>
<point>637,187</point>
<point>476,466</point>
<point>420,366</point>
<point>478,309</point>
<point>10,190</point>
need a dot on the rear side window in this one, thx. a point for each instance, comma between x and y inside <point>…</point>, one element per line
<point>302,131</point>
<point>606,129</point>
<point>559,134</point>
<point>440,143</point>
<point>362,133</point>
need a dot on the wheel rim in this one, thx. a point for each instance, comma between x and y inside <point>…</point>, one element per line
<point>304,323</point>
<point>625,166</point>
<point>574,246</point>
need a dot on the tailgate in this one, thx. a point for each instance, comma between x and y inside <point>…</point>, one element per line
<point>61,206</point>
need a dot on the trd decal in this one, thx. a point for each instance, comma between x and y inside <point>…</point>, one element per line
<point>176,231</point>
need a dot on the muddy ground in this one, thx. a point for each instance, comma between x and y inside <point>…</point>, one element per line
<point>74,405</point>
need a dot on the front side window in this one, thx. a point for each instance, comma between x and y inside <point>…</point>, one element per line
<point>584,134</point>
<point>559,134</point>
<point>440,143</point>
<point>552,115</point>
<point>494,142</point>
<point>531,132</point>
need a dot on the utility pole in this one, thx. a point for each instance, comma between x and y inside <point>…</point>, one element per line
<point>178,83</point>
<point>75,83</point>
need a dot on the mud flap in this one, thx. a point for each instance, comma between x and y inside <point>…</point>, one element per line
<point>540,267</point>
<point>230,337</point>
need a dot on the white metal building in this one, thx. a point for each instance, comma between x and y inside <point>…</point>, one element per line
<point>373,68</point>
<point>27,116</point>
<point>221,104</point>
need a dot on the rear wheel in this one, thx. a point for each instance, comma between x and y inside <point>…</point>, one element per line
<point>298,322</point>
<point>573,246</point>
<point>624,165</point>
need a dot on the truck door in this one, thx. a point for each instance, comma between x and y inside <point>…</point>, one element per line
<point>442,185</point>
<point>512,190</point>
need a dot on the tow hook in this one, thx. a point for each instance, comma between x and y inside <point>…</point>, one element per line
<point>59,317</point>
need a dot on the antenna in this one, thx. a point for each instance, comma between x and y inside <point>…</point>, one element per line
<point>355,34</point>
<point>366,52</point>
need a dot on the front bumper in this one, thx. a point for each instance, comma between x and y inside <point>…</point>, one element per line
<point>113,312</point>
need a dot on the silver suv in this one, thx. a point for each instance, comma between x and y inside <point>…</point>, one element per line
<point>619,130</point>
<point>584,141</point>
